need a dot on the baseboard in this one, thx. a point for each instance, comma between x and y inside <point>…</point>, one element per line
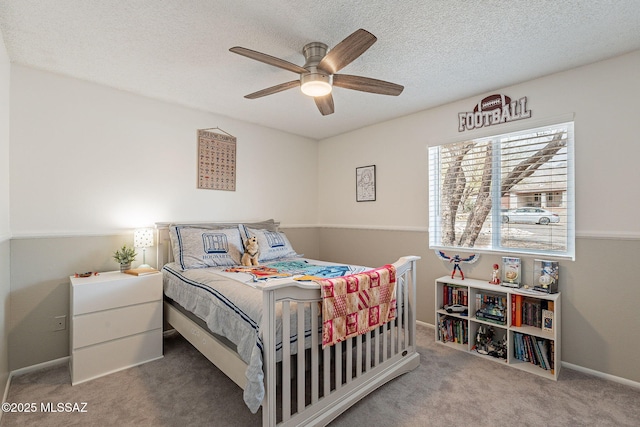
<point>6,390</point>
<point>39,366</point>
<point>421,323</point>
<point>602,375</point>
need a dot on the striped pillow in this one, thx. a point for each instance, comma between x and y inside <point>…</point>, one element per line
<point>205,247</point>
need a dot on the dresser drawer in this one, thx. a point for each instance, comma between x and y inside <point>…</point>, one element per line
<point>112,356</point>
<point>108,325</point>
<point>113,289</point>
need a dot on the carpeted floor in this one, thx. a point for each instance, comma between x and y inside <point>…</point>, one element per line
<point>448,388</point>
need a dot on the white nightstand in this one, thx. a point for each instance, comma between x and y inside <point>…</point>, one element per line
<point>116,323</point>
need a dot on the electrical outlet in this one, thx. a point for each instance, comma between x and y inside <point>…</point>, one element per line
<point>60,323</point>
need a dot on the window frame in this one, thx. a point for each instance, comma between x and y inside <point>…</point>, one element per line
<point>435,192</point>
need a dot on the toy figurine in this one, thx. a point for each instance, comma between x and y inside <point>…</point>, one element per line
<point>481,341</point>
<point>456,260</point>
<point>495,275</point>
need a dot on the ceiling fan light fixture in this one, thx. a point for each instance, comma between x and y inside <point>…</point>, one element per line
<point>319,72</point>
<point>315,84</point>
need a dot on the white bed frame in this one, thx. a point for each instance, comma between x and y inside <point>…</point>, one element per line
<point>328,385</point>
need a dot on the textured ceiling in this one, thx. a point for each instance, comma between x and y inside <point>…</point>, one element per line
<point>440,50</point>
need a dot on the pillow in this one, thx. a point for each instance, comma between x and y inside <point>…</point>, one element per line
<point>267,224</point>
<point>273,244</point>
<point>195,247</point>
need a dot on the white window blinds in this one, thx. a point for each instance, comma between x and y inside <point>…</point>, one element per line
<point>507,193</point>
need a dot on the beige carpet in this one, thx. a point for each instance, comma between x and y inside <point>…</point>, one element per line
<point>449,388</point>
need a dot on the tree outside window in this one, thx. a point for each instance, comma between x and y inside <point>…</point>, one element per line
<point>507,193</point>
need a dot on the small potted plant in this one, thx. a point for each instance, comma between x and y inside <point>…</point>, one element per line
<point>124,256</point>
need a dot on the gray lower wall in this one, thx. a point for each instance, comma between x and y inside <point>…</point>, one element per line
<point>600,292</point>
<point>305,240</point>
<point>40,270</point>
<point>5,287</point>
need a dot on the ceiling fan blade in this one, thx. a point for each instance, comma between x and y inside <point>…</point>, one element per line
<point>273,89</point>
<point>366,84</point>
<point>347,51</point>
<point>268,59</point>
<point>324,104</point>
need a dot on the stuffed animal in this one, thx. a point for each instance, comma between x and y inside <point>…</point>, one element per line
<point>251,252</point>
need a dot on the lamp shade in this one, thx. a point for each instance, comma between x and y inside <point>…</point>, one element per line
<point>143,238</point>
<point>315,84</point>
<point>316,88</point>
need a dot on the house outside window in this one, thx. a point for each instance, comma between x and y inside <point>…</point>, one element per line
<point>510,193</point>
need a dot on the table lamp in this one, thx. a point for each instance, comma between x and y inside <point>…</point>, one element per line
<point>143,238</point>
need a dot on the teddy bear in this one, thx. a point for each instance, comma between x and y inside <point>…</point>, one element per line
<point>251,252</point>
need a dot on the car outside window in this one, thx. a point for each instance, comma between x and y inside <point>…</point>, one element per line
<point>507,193</point>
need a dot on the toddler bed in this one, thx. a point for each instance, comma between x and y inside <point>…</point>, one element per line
<point>242,319</point>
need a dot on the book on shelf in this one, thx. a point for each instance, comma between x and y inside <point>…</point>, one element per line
<point>544,352</point>
<point>532,357</point>
<point>537,347</point>
<point>518,350</point>
<point>547,320</point>
<point>537,351</point>
<point>140,271</point>
<point>532,312</point>
<point>452,294</point>
<point>492,308</point>
<point>516,310</point>
<point>527,311</point>
<point>453,330</point>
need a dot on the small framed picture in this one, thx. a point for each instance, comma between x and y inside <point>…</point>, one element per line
<point>366,184</point>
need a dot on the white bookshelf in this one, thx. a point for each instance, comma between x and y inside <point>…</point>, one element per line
<point>508,330</point>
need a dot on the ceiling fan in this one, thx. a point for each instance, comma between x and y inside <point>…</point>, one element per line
<point>318,74</point>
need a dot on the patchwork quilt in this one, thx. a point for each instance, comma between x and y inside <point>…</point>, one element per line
<point>356,304</point>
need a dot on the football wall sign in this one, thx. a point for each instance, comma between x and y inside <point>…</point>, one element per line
<point>493,110</point>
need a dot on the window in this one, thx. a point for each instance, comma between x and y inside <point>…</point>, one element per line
<point>507,193</point>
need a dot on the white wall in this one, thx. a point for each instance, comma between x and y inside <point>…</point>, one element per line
<point>5,75</point>
<point>91,159</point>
<point>4,214</point>
<point>604,98</point>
